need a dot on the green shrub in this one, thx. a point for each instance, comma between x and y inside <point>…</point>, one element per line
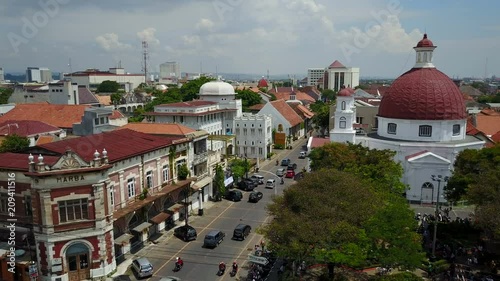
<point>279,146</point>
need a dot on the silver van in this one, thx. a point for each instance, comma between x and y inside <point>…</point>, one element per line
<point>142,267</point>
<point>280,172</point>
<point>270,183</point>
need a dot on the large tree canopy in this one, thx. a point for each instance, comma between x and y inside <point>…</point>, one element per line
<point>14,143</point>
<point>321,117</point>
<point>375,166</point>
<point>476,178</point>
<point>248,98</point>
<point>108,87</point>
<point>191,89</point>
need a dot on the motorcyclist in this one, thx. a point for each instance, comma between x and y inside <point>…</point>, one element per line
<point>179,262</point>
<point>222,267</point>
<point>277,162</point>
<point>282,181</point>
<point>235,267</point>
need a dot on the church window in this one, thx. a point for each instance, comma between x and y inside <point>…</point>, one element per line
<point>342,105</point>
<point>342,123</point>
<point>391,128</point>
<point>456,129</point>
<point>425,131</point>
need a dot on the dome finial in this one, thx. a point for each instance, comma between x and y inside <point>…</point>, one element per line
<point>425,35</point>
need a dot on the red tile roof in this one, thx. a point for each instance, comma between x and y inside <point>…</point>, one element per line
<point>257,107</point>
<point>120,144</point>
<point>496,137</point>
<point>188,113</point>
<point>287,112</point>
<point>171,129</point>
<point>281,89</point>
<point>19,161</point>
<point>58,115</point>
<point>193,103</point>
<point>44,139</point>
<point>25,128</point>
<point>416,154</point>
<point>336,64</point>
<point>301,110</point>
<point>116,115</point>
<point>318,142</point>
<point>488,124</point>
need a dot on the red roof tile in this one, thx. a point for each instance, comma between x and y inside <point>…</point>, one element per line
<point>19,161</point>
<point>416,154</point>
<point>258,106</point>
<point>44,139</point>
<point>318,142</point>
<point>488,124</point>
<point>336,64</point>
<point>193,103</point>
<point>25,128</point>
<point>116,115</point>
<point>58,115</point>
<point>171,129</point>
<point>120,144</point>
<point>496,137</point>
<point>287,112</point>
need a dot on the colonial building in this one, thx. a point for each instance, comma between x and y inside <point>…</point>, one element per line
<point>422,117</point>
<point>254,133</point>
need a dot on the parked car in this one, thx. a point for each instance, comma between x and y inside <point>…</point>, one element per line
<point>255,196</point>
<point>291,166</point>
<point>271,183</point>
<point>247,185</point>
<point>122,278</point>
<point>234,195</point>
<point>213,239</point>
<point>186,233</point>
<point>241,231</point>
<point>302,155</point>
<point>290,174</point>
<point>170,278</point>
<point>142,267</point>
<point>280,172</point>
<point>285,162</point>
<point>258,178</point>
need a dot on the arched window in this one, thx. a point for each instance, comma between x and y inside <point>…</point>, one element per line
<point>342,123</point>
<point>427,185</point>
<point>342,105</point>
<point>425,131</point>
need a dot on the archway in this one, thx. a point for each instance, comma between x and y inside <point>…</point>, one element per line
<point>77,260</point>
<point>427,192</point>
<point>229,150</point>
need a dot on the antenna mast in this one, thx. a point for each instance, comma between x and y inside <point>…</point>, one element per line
<point>145,59</point>
<point>70,69</point>
<point>486,69</point>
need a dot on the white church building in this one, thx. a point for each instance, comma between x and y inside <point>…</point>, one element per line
<point>422,117</point>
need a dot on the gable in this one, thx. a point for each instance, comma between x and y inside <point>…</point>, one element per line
<point>427,158</point>
<point>69,160</point>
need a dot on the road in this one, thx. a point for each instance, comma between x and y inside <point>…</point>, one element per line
<point>201,264</point>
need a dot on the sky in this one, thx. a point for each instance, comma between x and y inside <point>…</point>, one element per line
<point>250,36</point>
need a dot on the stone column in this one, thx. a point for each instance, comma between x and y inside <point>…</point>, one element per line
<point>123,191</point>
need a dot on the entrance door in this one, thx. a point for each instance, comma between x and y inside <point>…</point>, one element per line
<point>427,192</point>
<point>77,258</point>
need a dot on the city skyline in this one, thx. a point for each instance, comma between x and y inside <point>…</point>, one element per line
<point>232,36</point>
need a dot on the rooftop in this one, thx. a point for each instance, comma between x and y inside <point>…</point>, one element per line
<point>58,115</point>
<point>171,129</point>
<point>286,111</point>
<point>25,128</point>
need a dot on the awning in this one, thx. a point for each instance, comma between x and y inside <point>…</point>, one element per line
<point>161,217</point>
<point>228,181</point>
<point>124,238</point>
<point>175,207</point>
<point>142,226</point>
<point>200,184</point>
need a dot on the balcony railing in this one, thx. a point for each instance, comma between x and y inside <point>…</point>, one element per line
<point>200,158</point>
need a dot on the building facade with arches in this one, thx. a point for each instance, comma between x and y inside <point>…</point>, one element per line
<point>422,117</point>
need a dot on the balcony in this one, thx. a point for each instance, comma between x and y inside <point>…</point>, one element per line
<point>200,158</point>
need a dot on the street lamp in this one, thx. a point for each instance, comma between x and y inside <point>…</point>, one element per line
<point>439,179</point>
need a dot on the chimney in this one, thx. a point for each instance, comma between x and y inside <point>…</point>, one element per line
<point>474,119</point>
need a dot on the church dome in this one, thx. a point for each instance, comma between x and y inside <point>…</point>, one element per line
<point>423,92</point>
<point>345,92</point>
<point>217,88</point>
<point>262,83</point>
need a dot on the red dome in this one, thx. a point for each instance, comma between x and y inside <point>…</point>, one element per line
<point>262,83</point>
<point>423,94</point>
<point>425,42</point>
<point>345,92</point>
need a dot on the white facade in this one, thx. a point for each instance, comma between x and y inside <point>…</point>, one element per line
<point>33,74</point>
<point>345,116</point>
<point>92,78</point>
<point>63,93</point>
<point>253,135</point>
<point>313,75</point>
<point>277,118</point>
<point>45,75</point>
<point>1,75</point>
<point>342,76</point>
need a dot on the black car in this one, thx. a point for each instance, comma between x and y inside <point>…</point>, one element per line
<point>255,196</point>
<point>241,231</point>
<point>247,185</point>
<point>186,233</point>
<point>234,195</point>
<point>285,162</point>
<point>291,166</point>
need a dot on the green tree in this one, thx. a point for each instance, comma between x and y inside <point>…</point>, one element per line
<point>481,86</point>
<point>328,94</point>
<point>5,94</point>
<point>248,98</point>
<point>191,89</point>
<point>116,98</point>
<point>108,87</point>
<point>476,178</point>
<point>239,168</point>
<point>14,143</point>
<point>321,117</point>
<point>183,172</point>
<point>218,182</point>
<point>375,166</point>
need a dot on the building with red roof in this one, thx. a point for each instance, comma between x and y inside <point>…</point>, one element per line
<point>32,130</point>
<point>285,119</point>
<point>422,117</point>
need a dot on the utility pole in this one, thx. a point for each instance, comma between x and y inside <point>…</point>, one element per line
<point>145,58</point>
<point>439,179</point>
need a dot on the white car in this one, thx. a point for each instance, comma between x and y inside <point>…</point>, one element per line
<point>170,278</point>
<point>258,178</point>
<point>270,183</point>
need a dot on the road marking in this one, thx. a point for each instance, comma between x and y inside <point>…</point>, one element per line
<point>177,253</point>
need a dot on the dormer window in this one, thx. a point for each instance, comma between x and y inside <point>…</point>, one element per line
<point>456,129</point>
<point>391,128</point>
<point>425,131</point>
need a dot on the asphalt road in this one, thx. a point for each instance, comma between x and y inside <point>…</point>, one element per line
<point>200,263</point>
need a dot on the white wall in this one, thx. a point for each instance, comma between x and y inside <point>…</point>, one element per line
<point>442,130</point>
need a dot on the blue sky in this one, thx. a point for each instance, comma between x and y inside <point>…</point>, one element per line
<point>243,36</point>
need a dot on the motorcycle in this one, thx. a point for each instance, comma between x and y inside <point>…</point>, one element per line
<point>282,181</point>
<point>177,267</point>
<point>233,271</point>
<point>222,270</point>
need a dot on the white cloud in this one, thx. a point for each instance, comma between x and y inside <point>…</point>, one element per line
<point>205,25</point>
<point>110,42</point>
<point>191,40</point>
<point>148,35</point>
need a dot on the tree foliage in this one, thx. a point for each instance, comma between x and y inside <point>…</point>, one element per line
<point>5,94</point>
<point>14,143</point>
<point>218,182</point>
<point>328,94</point>
<point>191,89</point>
<point>116,98</point>
<point>321,117</point>
<point>248,98</point>
<point>108,87</point>
<point>239,168</point>
<point>476,178</point>
<point>372,165</point>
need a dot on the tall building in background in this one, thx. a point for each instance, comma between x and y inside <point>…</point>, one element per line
<point>170,72</point>
<point>33,74</point>
<point>1,75</point>
<point>45,75</point>
<point>313,75</point>
<point>340,76</point>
